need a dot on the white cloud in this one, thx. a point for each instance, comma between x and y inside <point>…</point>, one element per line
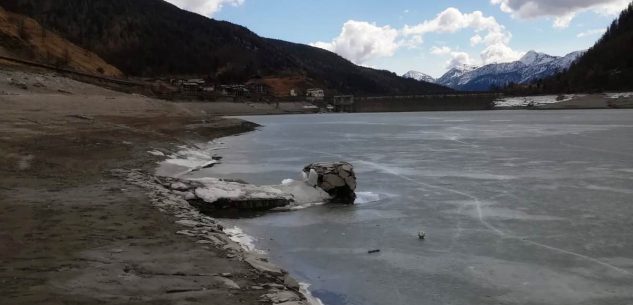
<point>475,40</point>
<point>488,31</point>
<point>563,11</point>
<point>591,33</point>
<point>452,20</point>
<point>498,53</point>
<point>563,21</point>
<point>412,42</point>
<point>459,59</point>
<point>205,7</point>
<point>440,50</point>
<point>361,41</point>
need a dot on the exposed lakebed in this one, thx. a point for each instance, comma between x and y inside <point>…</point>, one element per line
<point>519,207</point>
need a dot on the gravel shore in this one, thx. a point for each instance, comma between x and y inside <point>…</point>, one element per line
<point>82,223</point>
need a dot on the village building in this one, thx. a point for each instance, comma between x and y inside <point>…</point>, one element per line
<point>315,94</point>
<point>234,90</point>
<point>190,87</point>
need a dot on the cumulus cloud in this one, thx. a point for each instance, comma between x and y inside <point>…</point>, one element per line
<point>452,20</point>
<point>591,33</point>
<point>205,7</point>
<point>499,52</point>
<point>563,11</point>
<point>361,41</point>
<point>488,32</point>
<point>459,59</point>
<point>475,40</point>
<point>440,50</point>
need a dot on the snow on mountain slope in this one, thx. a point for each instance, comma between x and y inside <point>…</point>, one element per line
<point>419,76</point>
<point>452,77</point>
<point>530,67</point>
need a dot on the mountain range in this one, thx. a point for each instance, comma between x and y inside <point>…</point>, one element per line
<point>153,38</point>
<point>532,66</point>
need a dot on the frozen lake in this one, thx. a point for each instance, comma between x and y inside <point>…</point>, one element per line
<point>520,207</point>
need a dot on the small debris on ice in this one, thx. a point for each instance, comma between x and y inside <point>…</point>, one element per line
<point>421,235</point>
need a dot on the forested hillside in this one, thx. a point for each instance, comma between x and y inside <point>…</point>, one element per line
<point>155,38</point>
<point>607,66</point>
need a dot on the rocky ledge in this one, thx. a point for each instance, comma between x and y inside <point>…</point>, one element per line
<point>322,183</point>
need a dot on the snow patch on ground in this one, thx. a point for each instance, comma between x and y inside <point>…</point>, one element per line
<point>305,290</point>
<point>190,159</point>
<point>299,192</point>
<point>215,189</point>
<point>524,101</point>
<point>613,95</point>
<point>246,241</point>
<point>156,153</point>
<point>302,192</point>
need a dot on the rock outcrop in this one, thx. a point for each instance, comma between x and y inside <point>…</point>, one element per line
<point>336,178</point>
<point>325,182</point>
<point>210,195</point>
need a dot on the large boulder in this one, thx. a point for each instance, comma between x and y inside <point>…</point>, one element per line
<point>335,178</point>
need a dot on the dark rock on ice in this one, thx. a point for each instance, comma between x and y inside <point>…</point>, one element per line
<point>336,178</point>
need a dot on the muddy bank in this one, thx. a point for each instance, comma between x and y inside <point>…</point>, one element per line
<point>72,231</point>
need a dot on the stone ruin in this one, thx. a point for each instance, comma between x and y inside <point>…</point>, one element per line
<point>336,178</point>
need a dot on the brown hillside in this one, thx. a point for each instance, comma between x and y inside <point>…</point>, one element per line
<point>281,86</point>
<point>24,38</point>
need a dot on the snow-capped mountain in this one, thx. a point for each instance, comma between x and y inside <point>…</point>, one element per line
<point>453,76</point>
<point>530,67</point>
<point>419,76</point>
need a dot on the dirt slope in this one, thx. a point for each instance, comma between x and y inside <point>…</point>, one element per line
<point>24,38</point>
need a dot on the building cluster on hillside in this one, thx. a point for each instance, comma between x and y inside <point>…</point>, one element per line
<point>315,94</point>
<point>255,88</point>
<point>202,87</point>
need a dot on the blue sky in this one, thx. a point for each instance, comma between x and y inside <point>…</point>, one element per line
<point>423,35</point>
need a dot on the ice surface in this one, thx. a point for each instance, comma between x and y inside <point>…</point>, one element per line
<point>366,197</point>
<point>519,206</point>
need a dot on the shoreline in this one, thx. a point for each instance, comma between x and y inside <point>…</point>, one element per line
<point>210,231</point>
<point>73,231</point>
